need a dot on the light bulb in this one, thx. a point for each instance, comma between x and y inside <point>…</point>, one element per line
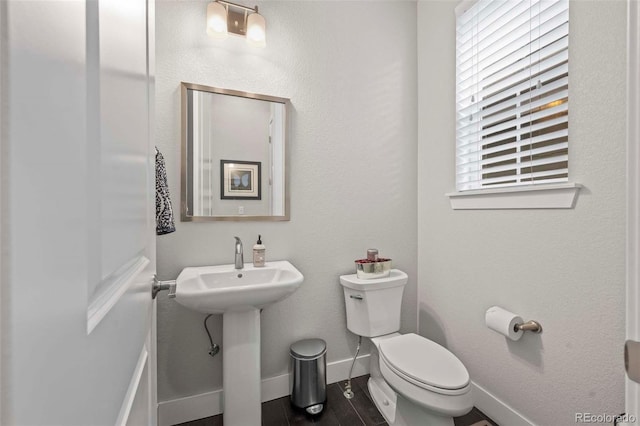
<point>217,20</point>
<point>256,30</point>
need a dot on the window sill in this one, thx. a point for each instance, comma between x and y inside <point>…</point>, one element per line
<point>553,196</point>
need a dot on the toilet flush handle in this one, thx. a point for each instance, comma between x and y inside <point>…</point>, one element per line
<point>355,296</point>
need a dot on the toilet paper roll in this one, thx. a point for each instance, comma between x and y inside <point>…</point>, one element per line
<point>503,322</point>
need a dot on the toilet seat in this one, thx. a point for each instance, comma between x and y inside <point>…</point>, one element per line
<point>425,364</point>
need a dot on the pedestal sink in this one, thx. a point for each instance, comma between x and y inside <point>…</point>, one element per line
<point>238,294</point>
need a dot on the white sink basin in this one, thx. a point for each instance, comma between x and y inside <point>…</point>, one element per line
<point>217,289</point>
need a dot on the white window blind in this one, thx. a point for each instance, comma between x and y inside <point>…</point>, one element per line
<point>512,99</point>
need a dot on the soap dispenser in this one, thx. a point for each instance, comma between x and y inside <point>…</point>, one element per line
<point>259,253</point>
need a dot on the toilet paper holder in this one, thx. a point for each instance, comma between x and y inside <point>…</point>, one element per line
<point>532,325</point>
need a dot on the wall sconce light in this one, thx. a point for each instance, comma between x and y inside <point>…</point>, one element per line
<point>222,19</point>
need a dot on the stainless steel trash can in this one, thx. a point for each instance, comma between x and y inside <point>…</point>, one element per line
<point>309,390</point>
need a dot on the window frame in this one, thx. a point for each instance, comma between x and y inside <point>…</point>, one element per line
<point>534,194</point>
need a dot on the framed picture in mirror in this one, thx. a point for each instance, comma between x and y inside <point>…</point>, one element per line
<point>240,180</point>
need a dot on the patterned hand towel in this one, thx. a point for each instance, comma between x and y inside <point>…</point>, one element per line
<point>164,213</point>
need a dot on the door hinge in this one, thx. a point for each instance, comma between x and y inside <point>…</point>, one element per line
<point>632,360</point>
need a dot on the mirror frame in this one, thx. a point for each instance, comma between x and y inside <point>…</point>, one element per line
<point>183,161</point>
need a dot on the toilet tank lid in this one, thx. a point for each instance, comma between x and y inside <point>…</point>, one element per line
<point>424,361</point>
<point>396,278</point>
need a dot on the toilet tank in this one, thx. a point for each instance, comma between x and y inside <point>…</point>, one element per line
<point>374,306</point>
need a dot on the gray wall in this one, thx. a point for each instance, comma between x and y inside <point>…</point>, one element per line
<point>564,268</point>
<point>350,72</point>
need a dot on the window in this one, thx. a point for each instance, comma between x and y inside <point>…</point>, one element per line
<point>512,98</point>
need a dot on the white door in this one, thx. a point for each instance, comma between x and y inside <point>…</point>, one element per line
<point>632,348</point>
<point>78,212</point>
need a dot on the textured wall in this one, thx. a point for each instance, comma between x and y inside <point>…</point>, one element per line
<point>350,72</point>
<point>564,268</point>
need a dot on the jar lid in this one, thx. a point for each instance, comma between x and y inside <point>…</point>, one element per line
<point>308,349</point>
<point>372,254</point>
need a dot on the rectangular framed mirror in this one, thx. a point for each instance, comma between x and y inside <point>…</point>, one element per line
<point>234,155</point>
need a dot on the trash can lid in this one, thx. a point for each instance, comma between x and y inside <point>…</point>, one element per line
<point>308,349</point>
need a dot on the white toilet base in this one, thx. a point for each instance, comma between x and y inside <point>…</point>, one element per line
<point>384,398</point>
<point>399,411</point>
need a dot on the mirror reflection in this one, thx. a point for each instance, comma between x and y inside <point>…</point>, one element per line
<point>234,155</point>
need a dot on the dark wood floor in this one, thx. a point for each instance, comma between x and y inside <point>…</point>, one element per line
<point>338,411</point>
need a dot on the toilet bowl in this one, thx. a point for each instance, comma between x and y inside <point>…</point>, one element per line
<point>413,380</point>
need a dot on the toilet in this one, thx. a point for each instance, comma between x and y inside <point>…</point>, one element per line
<point>413,381</point>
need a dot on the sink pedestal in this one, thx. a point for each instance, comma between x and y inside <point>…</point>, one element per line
<point>241,380</point>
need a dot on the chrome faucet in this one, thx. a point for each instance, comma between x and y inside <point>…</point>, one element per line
<point>239,256</point>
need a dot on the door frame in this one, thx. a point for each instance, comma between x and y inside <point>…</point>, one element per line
<point>3,193</point>
<point>151,99</point>
<point>632,389</point>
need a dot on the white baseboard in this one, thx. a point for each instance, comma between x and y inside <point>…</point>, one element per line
<point>210,404</point>
<point>189,408</point>
<point>496,409</point>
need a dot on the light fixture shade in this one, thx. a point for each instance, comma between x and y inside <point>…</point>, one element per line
<point>217,20</point>
<point>256,30</point>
